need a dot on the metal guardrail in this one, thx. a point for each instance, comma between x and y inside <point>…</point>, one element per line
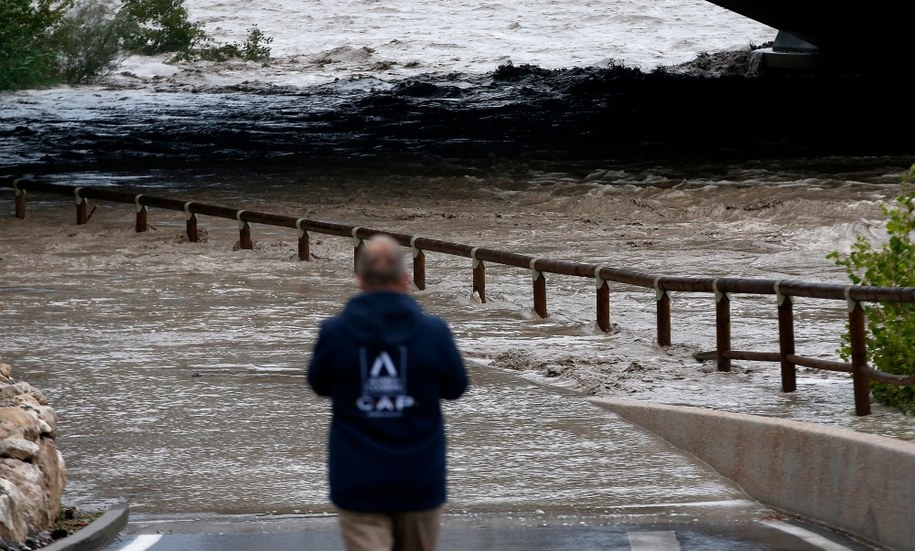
<point>722,288</point>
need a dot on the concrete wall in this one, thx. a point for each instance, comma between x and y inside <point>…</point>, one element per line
<point>860,483</point>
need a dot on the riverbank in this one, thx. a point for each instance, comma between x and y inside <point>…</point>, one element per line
<point>704,112</point>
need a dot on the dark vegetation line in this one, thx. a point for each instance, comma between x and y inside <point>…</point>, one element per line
<point>46,42</point>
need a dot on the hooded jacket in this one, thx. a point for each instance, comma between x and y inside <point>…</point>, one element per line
<point>386,365</point>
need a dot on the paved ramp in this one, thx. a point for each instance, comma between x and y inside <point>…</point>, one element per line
<point>469,533</point>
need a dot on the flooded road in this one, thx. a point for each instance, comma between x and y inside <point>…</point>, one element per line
<point>177,368</point>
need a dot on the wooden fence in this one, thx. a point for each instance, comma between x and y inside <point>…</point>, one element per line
<point>722,288</point>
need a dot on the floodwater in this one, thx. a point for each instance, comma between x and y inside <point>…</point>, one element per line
<point>318,41</point>
<point>177,368</point>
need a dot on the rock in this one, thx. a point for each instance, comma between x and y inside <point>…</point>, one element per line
<point>13,525</point>
<point>19,448</point>
<point>6,376</point>
<point>21,393</point>
<point>32,470</point>
<point>16,422</point>
<point>54,472</point>
<point>29,480</point>
<point>47,419</point>
<point>48,416</point>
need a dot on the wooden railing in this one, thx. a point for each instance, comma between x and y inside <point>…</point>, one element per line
<point>721,288</point>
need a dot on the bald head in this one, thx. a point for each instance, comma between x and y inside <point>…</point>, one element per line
<point>381,265</point>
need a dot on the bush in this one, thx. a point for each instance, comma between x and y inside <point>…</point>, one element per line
<point>88,42</point>
<point>26,57</point>
<point>159,26</point>
<point>43,42</point>
<point>254,49</point>
<point>891,326</point>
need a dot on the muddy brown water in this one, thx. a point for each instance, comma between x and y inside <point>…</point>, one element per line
<point>177,368</point>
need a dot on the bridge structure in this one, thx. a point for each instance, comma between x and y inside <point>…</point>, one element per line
<point>834,35</point>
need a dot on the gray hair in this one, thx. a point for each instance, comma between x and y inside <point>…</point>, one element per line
<point>381,262</point>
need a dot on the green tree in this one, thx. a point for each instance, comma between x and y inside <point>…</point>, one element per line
<point>158,26</point>
<point>891,326</point>
<point>87,42</point>
<point>26,56</point>
<point>43,42</point>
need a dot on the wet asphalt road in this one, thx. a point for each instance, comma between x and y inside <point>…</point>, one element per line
<point>477,533</point>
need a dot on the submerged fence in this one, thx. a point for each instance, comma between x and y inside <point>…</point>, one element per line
<point>722,288</point>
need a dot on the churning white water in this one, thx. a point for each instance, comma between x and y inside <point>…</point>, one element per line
<point>317,41</point>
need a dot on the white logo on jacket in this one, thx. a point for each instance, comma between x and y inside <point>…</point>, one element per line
<point>384,387</point>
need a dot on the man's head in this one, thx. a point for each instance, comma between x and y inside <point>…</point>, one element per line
<point>381,266</point>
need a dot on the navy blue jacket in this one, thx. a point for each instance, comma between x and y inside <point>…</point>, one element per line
<point>386,365</point>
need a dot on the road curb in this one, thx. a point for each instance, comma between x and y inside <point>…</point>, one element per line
<point>847,480</point>
<point>101,532</point>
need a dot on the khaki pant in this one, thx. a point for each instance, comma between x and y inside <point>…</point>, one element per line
<point>383,531</point>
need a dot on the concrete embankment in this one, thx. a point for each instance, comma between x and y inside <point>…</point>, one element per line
<point>858,483</point>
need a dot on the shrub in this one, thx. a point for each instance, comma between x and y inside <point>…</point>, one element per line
<point>159,26</point>
<point>87,41</point>
<point>47,41</point>
<point>26,58</point>
<point>254,49</point>
<point>891,326</point>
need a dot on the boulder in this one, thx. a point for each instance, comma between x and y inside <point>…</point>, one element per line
<point>21,393</point>
<point>13,526</point>
<point>6,373</point>
<point>32,470</point>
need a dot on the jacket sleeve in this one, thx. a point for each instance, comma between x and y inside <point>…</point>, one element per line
<point>319,370</point>
<point>455,379</point>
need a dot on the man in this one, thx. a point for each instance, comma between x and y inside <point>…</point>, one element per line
<point>386,365</point>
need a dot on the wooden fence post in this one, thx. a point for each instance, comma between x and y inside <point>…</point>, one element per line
<point>603,301</point>
<point>357,247</point>
<point>304,245</point>
<point>479,276</point>
<point>82,208</point>
<point>141,225</point>
<point>662,300</point>
<point>244,232</point>
<point>857,329</point>
<point>192,234</point>
<point>419,265</point>
<point>20,199</point>
<point>722,328</point>
<point>539,289</point>
<point>786,340</point>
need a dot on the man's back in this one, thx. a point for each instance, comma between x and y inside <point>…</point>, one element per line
<point>386,365</point>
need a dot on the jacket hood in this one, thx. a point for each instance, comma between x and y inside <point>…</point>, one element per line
<point>382,317</point>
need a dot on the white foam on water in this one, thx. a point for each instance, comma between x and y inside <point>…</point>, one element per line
<point>317,41</point>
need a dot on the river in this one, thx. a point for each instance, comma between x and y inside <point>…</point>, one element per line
<point>177,368</point>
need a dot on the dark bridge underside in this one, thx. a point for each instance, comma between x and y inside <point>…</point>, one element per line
<point>850,28</point>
